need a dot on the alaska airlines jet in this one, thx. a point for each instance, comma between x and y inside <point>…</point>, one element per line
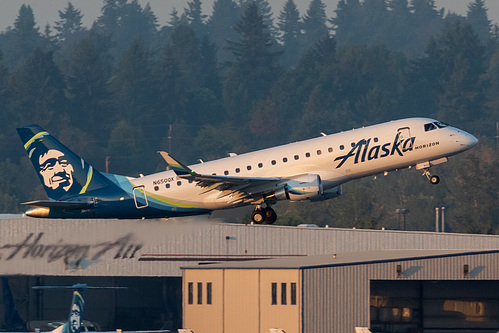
<point>312,170</point>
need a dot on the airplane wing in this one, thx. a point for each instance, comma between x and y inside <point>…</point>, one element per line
<point>57,204</point>
<point>242,189</point>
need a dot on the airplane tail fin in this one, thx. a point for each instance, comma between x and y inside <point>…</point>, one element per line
<point>73,325</point>
<point>62,173</point>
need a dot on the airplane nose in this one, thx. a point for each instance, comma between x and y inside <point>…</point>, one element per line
<point>467,140</point>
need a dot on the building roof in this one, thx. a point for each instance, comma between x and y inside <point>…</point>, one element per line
<point>342,259</point>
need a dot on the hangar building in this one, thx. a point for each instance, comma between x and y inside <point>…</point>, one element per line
<point>147,256</point>
<point>387,291</point>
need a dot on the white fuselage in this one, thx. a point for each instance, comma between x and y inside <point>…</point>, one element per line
<point>336,158</point>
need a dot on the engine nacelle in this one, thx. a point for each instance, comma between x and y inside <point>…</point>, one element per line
<point>301,188</point>
<point>329,194</point>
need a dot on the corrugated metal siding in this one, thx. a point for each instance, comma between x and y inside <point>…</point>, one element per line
<point>337,299</point>
<point>154,247</point>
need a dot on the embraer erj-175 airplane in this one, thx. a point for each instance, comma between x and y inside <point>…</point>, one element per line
<point>311,170</point>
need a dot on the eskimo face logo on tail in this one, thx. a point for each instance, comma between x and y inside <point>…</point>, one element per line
<point>75,318</point>
<point>55,170</point>
<point>364,151</point>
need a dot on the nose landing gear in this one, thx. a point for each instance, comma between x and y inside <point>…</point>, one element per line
<point>261,215</point>
<point>433,179</point>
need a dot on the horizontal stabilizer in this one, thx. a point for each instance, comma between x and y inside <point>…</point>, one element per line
<point>58,204</point>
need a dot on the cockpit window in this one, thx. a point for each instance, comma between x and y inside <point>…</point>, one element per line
<point>430,127</point>
<point>441,124</point>
<point>434,125</point>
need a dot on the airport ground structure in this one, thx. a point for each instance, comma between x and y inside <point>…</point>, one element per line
<point>147,256</point>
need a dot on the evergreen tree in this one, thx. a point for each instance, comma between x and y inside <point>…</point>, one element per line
<point>69,25</point>
<point>87,70</point>
<point>220,25</point>
<point>477,17</point>
<point>24,37</point>
<point>314,23</point>
<point>290,26</point>
<point>196,18</point>
<point>346,24</point>
<point>255,68</point>
<point>36,92</point>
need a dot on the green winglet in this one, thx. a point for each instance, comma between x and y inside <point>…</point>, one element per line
<point>177,166</point>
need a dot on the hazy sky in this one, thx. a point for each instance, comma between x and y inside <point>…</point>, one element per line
<point>46,11</point>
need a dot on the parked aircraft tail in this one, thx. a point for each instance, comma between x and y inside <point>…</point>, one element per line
<point>63,173</point>
<point>73,325</point>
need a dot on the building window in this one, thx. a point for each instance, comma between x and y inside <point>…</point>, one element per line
<point>274,293</point>
<point>293,293</point>
<point>208,293</point>
<point>200,293</point>
<point>284,296</point>
<point>190,293</point>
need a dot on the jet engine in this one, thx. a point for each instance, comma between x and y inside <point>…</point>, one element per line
<point>301,188</point>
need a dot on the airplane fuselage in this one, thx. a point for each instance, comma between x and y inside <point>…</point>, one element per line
<point>331,160</point>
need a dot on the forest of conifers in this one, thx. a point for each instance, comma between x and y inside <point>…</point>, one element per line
<point>249,76</point>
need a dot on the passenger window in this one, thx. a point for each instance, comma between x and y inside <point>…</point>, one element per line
<point>376,140</point>
<point>319,152</point>
<point>430,127</point>
<point>156,188</point>
<point>167,185</point>
<point>342,147</point>
<point>330,149</point>
<point>307,154</point>
<point>226,172</point>
<point>179,183</point>
<point>248,167</point>
<point>297,157</point>
<point>273,162</point>
<point>352,144</point>
<point>285,159</point>
<point>238,170</point>
<point>260,165</point>
<point>190,181</point>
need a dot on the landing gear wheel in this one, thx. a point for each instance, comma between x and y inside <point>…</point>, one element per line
<point>434,180</point>
<point>270,215</point>
<point>257,216</point>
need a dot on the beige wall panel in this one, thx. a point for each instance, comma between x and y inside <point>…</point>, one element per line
<point>284,316</point>
<point>203,318</point>
<point>241,304</point>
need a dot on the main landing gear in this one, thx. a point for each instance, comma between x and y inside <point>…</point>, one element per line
<point>433,179</point>
<point>261,215</point>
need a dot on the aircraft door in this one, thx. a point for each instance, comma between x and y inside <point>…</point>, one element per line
<point>140,197</point>
<point>404,134</point>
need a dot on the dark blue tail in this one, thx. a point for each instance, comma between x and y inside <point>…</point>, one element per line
<point>62,173</point>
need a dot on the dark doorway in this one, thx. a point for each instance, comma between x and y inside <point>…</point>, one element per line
<point>435,306</point>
